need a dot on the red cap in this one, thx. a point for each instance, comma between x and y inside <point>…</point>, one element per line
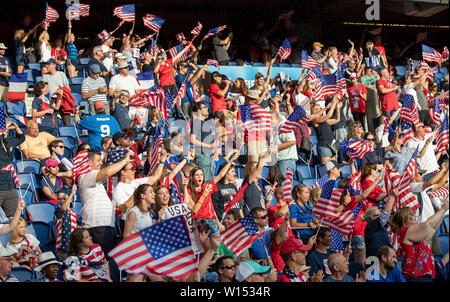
<point>293,244</point>
<point>99,105</point>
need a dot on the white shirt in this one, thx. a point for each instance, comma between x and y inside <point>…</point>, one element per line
<point>108,61</point>
<point>46,53</point>
<point>300,100</point>
<point>380,136</point>
<point>96,207</point>
<point>427,206</point>
<point>143,220</point>
<point>123,191</point>
<point>428,161</point>
<point>128,83</point>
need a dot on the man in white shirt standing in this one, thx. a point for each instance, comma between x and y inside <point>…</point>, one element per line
<point>108,60</point>
<point>426,158</point>
<point>123,81</point>
<point>98,212</point>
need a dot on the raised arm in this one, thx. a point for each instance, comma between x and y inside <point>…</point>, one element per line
<point>15,219</point>
<point>178,55</point>
<point>224,171</point>
<point>198,74</point>
<point>114,168</point>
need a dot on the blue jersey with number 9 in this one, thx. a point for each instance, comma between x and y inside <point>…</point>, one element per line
<point>99,126</point>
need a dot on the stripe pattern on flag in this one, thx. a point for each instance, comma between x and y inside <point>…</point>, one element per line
<point>240,235</point>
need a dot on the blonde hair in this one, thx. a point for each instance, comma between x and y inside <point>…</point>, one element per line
<point>249,168</point>
<point>17,33</point>
<point>400,219</point>
<point>15,238</point>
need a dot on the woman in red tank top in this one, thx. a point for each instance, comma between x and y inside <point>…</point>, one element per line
<point>417,258</point>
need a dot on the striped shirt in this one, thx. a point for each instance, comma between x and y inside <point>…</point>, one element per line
<point>72,52</point>
<point>90,84</point>
<point>95,254</point>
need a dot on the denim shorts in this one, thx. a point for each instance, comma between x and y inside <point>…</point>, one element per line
<point>358,242</point>
<point>324,151</point>
<point>212,224</point>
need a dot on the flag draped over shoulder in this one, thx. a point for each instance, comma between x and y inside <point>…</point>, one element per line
<point>161,249</point>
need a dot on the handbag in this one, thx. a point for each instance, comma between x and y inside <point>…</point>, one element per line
<point>306,145</point>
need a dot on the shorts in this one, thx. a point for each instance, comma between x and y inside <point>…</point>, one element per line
<point>212,224</point>
<point>20,60</point>
<point>8,202</point>
<point>324,151</point>
<point>358,242</point>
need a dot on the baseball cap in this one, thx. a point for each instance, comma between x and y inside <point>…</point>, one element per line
<point>120,55</point>
<point>248,268</point>
<point>318,44</point>
<point>122,65</point>
<point>293,244</point>
<point>52,163</point>
<point>117,136</point>
<point>99,105</point>
<point>2,46</point>
<point>51,61</point>
<point>331,164</point>
<point>353,76</point>
<point>95,68</point>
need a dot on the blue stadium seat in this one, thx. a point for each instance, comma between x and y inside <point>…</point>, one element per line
<point>69,142</point>
<point>77,97</point>
<point>84,139</point>
<point>284,65</point>
<point>296,65</point>
<point>258,64</point>
<point>308,181</point>
<point>295,182</point>
<point>232,63</point>
<point>265,172</point>
<point>314,140</point>
<point>34,66</point>
<point>75,88</point>
<point>28,166</point>
<point>86,107</point>
<point>43,211</point>
<point>40,230</point>
<point>3,217</point>
<point>443,240</point>
<point>239,170</point>
<point>27,196</point>
<point>22,273</point>
<point>345,169</point>
<point>76,81</point>
<point>25,179</point>
<point>68,131</point>
<point>50,246</point>
<point>321,170</point>
<point>38,79</point>
<point>16,107</point>
<point>4,239</point>
<point>303,171</point>
<point>68,153</point>
<point>77,207</point>
<point>30,77</point>
<point>84,61</point>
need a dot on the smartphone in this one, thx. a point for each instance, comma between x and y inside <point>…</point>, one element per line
<point>81,108</point>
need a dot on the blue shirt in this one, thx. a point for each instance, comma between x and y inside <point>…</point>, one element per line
<point>257,249</point>
<point>394,275</point>
<point>47,119</point>
<point>4,65</point>
<point>318,261</point>
<point>346,278</point>
<point>72,52</point>
<point>302,216</point>
<point>99,126</point>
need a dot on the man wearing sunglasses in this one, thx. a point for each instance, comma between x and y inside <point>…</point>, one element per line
<point>225,268</point>
<point>261,246</point>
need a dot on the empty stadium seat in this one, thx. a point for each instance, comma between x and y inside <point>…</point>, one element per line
<point>76,81</point>
<point>303,171</point>
<point>40,230</point>
<point>27,196</point>
<point>42,211</point>
<point>258,64</point>
<point>28,166</point>
<point>69,142</point>
<point>84,61</point>
<point>4,239</point>
<point>28,180</point>
<point>84,139</point>
<point>75,88</point>
<point>443,240</point>
<point>296,65</point>
<point>321,170</point>
<point>16,107</point>
<point>284,65</point>
<point>22,273</point>
<point>34,66</point>
<point>68,131</point>
<point>77,97</point>
<point>308,181</point>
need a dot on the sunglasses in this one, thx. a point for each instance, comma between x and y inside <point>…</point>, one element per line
<point>228,267</point>
<point>371,139</point>
<point>59,146</point>
<point>359,126</point>
<point>263,217</point>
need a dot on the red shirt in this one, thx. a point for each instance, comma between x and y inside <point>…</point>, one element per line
<point>276,222</point>
<point>357,103</point>
<point>218,102</point>
<point>274,250</point>
<point>417,259</point>
<point>366,183</point>
<point>206,211</point>
<point>166,74</point>
<point>389,101</point>
<point>359,226</point>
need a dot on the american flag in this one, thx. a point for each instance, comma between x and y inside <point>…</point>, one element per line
<point>125,12</point>
<point>2,119</point>
<point>116,154</point>
<point>239,195</point>
<point>170,100</point>
<point>285,50</point>
<point>162,249</point>
<point>307,61</point>
<point>64,227</point>
<point>442,191</point>
<point>157,142</point>
<point>153,22</point>
<point>435,111</point>
<point>354,186</point>
<point>177,49</point>
<point>386,123</point>
<point>315,73</point>
<point>327,84</point>
<point>214,31</point>
<point>411,168</point>
<point>154,97</point>
<point>355,149</point>
<point>337,244</point>
<point>154,49</point>
<point>431,55</point>
<point>10,167</point>
<point>297,118</point>
<point>239,236</point>
<point>81,164</point>
<point>340,80</point>
<point>407,132</point>
<point>213,62</point>
<point>445,54</point>
<point>51,15</point>
<point>342,222</point>
<point>328,203</point>
<point>76,10</point>
<point>181,94</point>
<point>405,198</point>
<point>255,118</point>
<point>409,111</point>
<point>442,138</point>
<point>321,182</point>
<point>196,31</point>
<point>173,188</point>
<point>287,187</point>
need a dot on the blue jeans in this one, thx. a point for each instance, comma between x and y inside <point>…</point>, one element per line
<point>287,164</point>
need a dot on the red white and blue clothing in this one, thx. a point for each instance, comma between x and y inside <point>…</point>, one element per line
<point>288,275</point>
<point>95,254</point>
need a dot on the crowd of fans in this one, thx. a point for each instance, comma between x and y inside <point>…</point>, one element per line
<point>205,156</point>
